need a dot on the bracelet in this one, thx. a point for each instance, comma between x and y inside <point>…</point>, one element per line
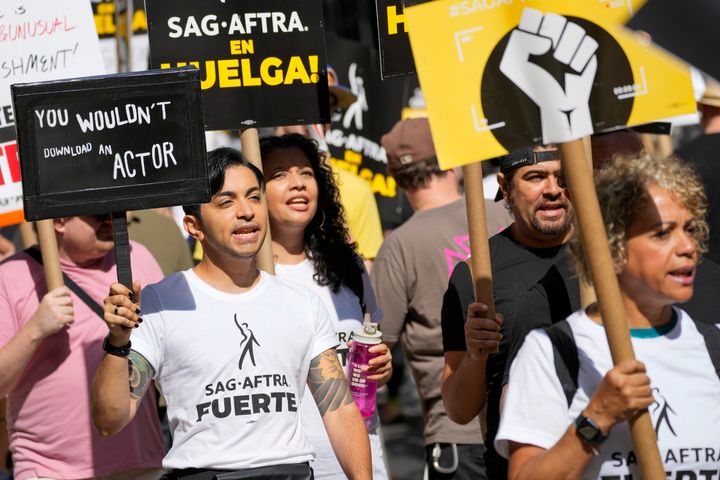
<point>111,349</point>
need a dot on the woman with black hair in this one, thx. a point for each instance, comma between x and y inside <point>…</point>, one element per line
<point>311,246</point>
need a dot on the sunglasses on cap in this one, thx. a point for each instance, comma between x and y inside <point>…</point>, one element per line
<point>526,156</point>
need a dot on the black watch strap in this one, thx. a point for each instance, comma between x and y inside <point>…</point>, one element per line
<point>111,349</point>
<point>588,430</point>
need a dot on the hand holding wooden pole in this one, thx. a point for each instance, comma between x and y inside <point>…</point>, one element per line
<point>251,151</point>
<point>479,247</point>
<point>578,172</point>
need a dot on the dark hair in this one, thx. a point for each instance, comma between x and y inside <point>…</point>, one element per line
<point>326,237</point>
<point>219,160</point>
<point>417,175</point>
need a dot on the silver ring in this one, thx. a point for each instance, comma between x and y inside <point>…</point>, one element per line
<point>116,309</point>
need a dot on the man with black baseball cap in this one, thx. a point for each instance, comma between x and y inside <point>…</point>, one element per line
<point>531,184</point>
<point>409,277</point>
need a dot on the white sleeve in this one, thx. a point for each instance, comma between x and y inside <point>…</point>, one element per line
<point>324,336</point>
<point>535,410</point>
<point>148,338</point>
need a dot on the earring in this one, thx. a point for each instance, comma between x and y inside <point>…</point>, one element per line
<point>320,227</point>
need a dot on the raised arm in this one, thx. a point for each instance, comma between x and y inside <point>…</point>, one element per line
<point>120,382</point>
<point>464,374</point>
<point>342,419</point>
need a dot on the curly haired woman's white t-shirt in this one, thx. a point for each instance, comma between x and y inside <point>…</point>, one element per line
<point>346,315</point>
<point>686,389</point>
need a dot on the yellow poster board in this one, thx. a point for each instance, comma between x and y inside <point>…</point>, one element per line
<point>498,75</point>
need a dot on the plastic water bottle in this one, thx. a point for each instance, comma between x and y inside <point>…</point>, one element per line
<point>363,390</point>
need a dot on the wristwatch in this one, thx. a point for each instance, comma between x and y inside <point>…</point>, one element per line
<point>111,349</point>
<point>588,430</point>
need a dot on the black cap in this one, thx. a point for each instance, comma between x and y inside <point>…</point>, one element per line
<point>521,158</point>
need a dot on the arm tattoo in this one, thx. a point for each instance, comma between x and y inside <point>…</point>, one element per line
<point>327,382</point>
<point>141,375</point>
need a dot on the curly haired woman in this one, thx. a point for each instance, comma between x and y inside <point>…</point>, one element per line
<point>311,246</point>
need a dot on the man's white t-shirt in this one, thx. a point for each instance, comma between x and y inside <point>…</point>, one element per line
<point>233,368</point>
<point>345,312</point>
<point>686,389</point>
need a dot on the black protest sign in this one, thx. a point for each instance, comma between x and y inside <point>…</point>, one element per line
<point>112,143</point>
<point>395,54</point>
<point>354,136</point>
<point>262,61</point>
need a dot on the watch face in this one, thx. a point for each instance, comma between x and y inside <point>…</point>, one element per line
<point>587,430</point>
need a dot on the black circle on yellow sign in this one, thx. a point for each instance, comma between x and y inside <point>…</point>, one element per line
<point>503,101</point>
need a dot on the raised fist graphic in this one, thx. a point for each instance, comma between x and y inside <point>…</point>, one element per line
<point>564,109</point>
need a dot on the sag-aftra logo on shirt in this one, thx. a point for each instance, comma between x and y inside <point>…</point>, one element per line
<point>678,459</point>
<point>247,344</point>
<point>256,394</point>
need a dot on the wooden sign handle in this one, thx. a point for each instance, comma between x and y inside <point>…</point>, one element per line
<point>122,248</point>
<point>27,235</point>
<point>479,246</point>
<point>578,172</point>
<point>50,255</point>
<point>250,142</point>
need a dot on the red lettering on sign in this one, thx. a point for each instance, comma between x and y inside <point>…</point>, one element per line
<point>11,152</point>
<point>8,153</point>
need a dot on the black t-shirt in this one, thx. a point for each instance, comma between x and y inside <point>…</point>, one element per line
<point>553,298</point>
<point>515,268</point>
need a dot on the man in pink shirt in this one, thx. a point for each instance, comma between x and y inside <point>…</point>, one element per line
<point>50,346</point>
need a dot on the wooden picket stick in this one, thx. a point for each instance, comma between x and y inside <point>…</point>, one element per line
<point>587,291</point>
<point>250,142</point>
<point>50,255</point>
<point>27,235</point>
<point>648,142</point>
<point>479,246</point>
<point>664,145</point>
<point>578,172</point>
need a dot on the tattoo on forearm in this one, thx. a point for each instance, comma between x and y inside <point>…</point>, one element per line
<point>327,382</point>
<point>141,374</point>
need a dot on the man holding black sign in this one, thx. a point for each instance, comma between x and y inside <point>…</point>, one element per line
<point>231,348</point>
<point>49,349</point>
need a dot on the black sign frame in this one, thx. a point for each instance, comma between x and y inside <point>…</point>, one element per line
<point>42,203</point>
<point>396,57</point>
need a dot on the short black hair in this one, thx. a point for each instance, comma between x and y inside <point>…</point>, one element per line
<point>219,160</point>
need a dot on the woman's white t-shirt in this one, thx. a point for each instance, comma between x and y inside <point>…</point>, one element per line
<point>346,315</point>
<point>686,389</point>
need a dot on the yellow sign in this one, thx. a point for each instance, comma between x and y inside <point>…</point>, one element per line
<point>498,75</point>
